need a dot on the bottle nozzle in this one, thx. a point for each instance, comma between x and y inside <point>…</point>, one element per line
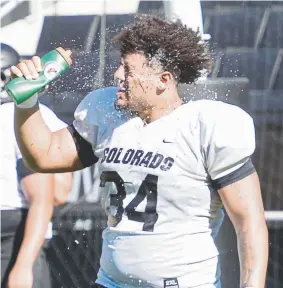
<point>66,54</point>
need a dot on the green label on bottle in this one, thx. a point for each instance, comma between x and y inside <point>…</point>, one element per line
<point>20,89</point>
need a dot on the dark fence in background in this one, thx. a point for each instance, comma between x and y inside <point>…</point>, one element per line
<point>74,251</point>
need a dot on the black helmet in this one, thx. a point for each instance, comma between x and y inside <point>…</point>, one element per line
<point>9,56</point>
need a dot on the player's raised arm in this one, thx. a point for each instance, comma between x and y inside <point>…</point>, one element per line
<point>43,150</point>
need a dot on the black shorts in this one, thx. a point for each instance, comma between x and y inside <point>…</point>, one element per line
<point>12,232</point>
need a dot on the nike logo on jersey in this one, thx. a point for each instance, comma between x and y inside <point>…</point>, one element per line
<point>165,141</point>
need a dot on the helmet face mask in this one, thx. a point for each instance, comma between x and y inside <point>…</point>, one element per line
<point>9,57</point>
<point>5,75</point>
<point>5,78</point>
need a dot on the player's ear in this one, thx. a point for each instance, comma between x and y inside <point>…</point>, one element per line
<point>164,80</point>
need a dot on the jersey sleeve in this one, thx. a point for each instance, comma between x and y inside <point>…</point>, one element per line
<point>86,122</point>
<point>93,116</point>
<point>229,142</point>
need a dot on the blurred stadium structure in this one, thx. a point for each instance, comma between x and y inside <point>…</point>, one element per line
<point>247,47</point>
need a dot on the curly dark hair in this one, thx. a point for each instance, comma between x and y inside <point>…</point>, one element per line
<point>178,48</point>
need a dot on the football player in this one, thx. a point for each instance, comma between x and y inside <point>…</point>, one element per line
<point>27,198</point>
<point>165,168</point>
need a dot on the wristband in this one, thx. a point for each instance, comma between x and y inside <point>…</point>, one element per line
<point>29,103</point>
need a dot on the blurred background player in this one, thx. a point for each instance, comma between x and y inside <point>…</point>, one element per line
<point>27,198</point>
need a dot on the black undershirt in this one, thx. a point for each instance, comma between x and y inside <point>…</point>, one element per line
<point>241,173</point>
<point>83,147</point>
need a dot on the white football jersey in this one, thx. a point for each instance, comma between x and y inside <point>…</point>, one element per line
<point>158,186</point>
<point>11,195</point>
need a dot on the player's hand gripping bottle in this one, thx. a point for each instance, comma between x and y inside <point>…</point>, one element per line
<point>54,64</point>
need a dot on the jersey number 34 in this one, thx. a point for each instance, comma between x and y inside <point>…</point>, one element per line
<point>148,190</point>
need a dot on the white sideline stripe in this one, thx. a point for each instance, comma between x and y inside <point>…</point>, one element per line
<point>274,215</point>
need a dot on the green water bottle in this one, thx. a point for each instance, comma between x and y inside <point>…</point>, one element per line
<point>54,64</point>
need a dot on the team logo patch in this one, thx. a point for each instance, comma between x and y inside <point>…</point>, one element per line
<point>171,282</point>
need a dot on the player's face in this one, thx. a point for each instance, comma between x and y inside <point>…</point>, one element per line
<point>137,83</point>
